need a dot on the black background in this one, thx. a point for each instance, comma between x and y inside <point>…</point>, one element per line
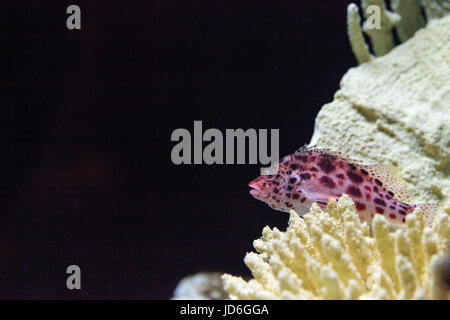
<point>87,116</point>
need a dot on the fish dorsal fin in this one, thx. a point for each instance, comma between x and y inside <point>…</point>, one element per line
<point>390,178</point>
<point>330,152</point>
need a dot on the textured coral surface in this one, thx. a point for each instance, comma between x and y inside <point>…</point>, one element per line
<point>332,255</point>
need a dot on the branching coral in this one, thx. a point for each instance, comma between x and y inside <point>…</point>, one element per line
<point>411,17</point>
<point>381,38</point>
<point>332,255</point>
<point>359,46</point>
<point>406,17</point>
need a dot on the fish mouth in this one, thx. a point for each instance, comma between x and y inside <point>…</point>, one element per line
<point>255,191</point>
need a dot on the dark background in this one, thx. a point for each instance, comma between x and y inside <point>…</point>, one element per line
<point>86,121</point>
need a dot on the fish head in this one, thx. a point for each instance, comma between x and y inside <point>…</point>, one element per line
<point>281,191</point>
<point>263,186</point>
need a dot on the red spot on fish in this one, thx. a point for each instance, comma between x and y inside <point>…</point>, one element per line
<point>402,212</point>
<point>375,188</point>
<point>380,202</point>
<point>340,183</point>
<point>326,165</point>
<point>305,176</point>
<point>354,191</point>
<point>314,169</point>
<point>368,196</point>
<point>294,166</point>
<point>340,176</point>
<point>392,216</point>
<point>327,182</point>
<point>367,188</point>
<point>379,210</point>
<point>364,172</point>
<point>378,182</point>
<point>295,196</point>
<point>352,167</point>
<point>360,206</point>
<point>392,207</point>
<point>354,177</point>
<point>391,193</point>
<point>303,200</point>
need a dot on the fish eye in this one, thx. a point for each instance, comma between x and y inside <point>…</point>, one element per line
<point>269,177</point>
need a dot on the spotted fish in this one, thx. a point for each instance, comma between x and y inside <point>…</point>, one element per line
<point>313,175</point>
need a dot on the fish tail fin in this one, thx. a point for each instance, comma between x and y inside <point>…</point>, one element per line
<point>430,212</point>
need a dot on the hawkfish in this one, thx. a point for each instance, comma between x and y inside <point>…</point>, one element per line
<point>312,175</point>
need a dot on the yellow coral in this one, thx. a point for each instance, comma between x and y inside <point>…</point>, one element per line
<point>332,255</point>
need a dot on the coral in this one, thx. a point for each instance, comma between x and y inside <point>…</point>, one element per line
<point>395,110</point>
<point>406,17</point>
<point>200,286</point>
<point>355,35</point>
<point>381,38</point>
<point>411,17</point>
<point>436,9</point>
<point>332,255</point>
